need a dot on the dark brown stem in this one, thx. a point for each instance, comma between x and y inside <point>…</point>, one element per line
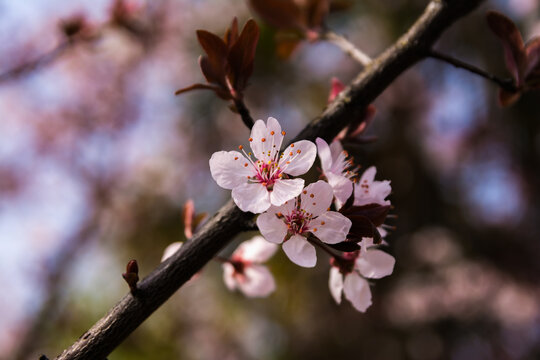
<point>506,84</point>
<point>327,249</point>
<point>244,112</point>
<point>170,275</point>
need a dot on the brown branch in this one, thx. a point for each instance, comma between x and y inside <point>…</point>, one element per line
<point>349,48</point>
<point>505,84</point>
<point>169,276</point>
<point>34,64</point>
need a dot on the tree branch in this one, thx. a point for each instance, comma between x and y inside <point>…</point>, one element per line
<point>349,48</point>
<point>505,84</point>
<point>169,276</point>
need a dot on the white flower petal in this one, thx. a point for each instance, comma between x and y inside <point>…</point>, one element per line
<point>332,227</point>
<point>335,283</point>
<point>300,251</point>
<point>357,291</point>
<point>317,198</point>
<point>229,170</point>
<point>369,191</point>
<point>285,189</point>
<point>300,156</point>
<point>256,250</point>
<point>375,264</point>
<point>272,228</point>
<point>228,276</point>
<point>338,156</point>
<point>258,281</point>
<point>251,197</point>
<point>342,187</point>
<point>171,249</point>
<point>266,139</point>
<point>324,154</point>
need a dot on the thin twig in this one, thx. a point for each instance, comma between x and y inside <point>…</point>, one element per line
<point>506,84</point>
<point>348,47</point>
<point>327,249</point>
<point>36,63</point>
<point>244,113</point>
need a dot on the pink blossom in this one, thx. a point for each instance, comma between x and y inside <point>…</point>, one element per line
<point>245,272</point>
<point>337,169</point>
<point>370,191</point>
<point>171,249</point>
<point>348,273</point>
<point>258,183</point>
<point>295,220</point>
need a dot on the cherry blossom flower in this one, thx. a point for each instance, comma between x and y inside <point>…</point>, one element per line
<point>370,191</point>
<point>348,273</point>
<point>245,272</point>
<point>171,249</point>
<point>337,169</point>
<point>258,183</point>
<point>296,219</point>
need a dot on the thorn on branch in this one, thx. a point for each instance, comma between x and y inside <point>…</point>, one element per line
<point>131,276</point>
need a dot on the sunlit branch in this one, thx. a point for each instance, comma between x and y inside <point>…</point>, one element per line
<point>348,47</point>
<point>506,84</point>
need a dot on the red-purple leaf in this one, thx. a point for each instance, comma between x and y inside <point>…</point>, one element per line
<point>231,36</point>
<point>507,98</point>
<point>282,14</point>
<point>212,73</point>
<point>216,50</point>
<point>533,56</point>
<point>514,48</point>
<point>242,55</point>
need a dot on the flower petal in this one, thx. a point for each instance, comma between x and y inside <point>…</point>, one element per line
<point>285,189</point>
<point>300,251</point>
<point>330,227</point>
<point>228,276</point>
<point>341,186</point>
<point>171,249</point>
<point>229,169</point>
<point>251,197</point>
<point>324,154</point>
<point>335,283</point>
<point>258,281</point>
<point>272,228</point>
<point>316,198</point>
<point>357,291</point>
<point>266,139</point>
<point>369,191</point>
<point>298,158</point>
<point>375,264</point>
<point>256,250</point>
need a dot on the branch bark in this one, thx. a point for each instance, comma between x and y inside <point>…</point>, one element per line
<point>169,276</point>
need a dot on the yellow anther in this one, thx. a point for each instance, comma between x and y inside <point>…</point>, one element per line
<point>322,223</point>
<point>236,158</point>
<point>292,145</point>
<point>272,132</point>
<point>298,151</point>
<point>311,195</point>
<point>240,147</point>
<point>263,139</point>
<point>250,139</point>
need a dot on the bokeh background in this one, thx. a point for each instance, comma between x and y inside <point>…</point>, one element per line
<point>97,158</point>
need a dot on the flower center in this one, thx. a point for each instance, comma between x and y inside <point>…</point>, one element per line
<point>297,221</point>
<point>345,263</point>
<point>267,173</point>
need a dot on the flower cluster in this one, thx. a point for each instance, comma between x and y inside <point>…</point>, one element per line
<point>342,214</point>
